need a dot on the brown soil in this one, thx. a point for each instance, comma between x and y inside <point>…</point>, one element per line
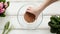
<point>29,17</point>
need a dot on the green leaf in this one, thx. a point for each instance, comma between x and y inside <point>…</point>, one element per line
<point>58,32</point>
<point>59,19</point>
<point>6,27</point>
<point>55,18</point>
<point>50,24</point>
<point>53,22</point>
<point>2,0</point>
<point>9,30</point>
<point>53,30</point>
<point>3,31</point>
<point>2,15</point>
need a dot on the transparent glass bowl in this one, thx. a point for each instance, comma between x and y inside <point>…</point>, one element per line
<point>21,20</point>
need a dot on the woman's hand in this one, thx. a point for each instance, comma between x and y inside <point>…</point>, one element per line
<point>32,13</point>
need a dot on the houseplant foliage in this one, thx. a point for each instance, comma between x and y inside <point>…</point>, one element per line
<point>3,7</point>
<point>54,24</point>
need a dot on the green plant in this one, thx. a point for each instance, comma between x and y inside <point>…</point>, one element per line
<point>7,28</point>
<point>54,24</point>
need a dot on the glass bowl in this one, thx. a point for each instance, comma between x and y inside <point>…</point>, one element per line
<point>23,23</point>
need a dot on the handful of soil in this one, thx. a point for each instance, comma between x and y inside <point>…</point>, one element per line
<point>29,17</point>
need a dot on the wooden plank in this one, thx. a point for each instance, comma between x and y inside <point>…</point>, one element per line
<point>24,0</point>
<point>13,20</point>
<point>53,9</point>
<point>28,32</point>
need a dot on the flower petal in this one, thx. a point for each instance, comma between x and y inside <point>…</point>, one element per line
<point>1,5</point>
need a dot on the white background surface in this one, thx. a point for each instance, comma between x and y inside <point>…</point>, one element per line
<point>11,12</point>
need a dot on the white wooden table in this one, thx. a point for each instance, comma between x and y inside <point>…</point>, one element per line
<point>11,12</point>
